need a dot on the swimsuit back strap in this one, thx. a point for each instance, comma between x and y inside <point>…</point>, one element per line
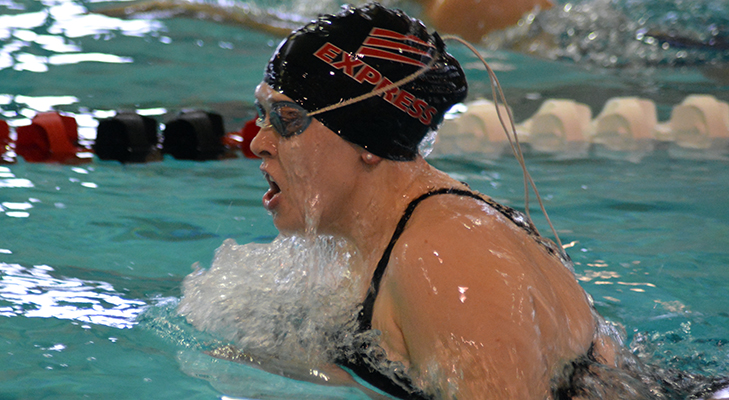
<point>365,315</point>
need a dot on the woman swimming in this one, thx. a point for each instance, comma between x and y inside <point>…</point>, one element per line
<point>462,289</point>
<point>464,298</point>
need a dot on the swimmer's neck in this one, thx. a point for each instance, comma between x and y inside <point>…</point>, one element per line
<point>383,193</point>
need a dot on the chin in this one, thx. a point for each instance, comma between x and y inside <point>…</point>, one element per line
<point>288,227</point>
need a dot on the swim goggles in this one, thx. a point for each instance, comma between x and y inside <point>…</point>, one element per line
<point>286,118</point>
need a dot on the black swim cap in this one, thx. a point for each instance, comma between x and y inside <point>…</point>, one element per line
<point>338,57</point>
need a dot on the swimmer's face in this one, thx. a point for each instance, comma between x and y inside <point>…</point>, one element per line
<point>310,174</point>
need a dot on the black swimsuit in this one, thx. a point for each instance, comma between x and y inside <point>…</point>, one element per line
<point>362,364</point>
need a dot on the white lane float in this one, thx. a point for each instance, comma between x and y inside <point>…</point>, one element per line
<point>626,125</point>
<point>474,128</point>
<point>699,122</point>
<point>559,126</point>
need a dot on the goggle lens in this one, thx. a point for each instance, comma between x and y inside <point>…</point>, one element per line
<point>287,118</point>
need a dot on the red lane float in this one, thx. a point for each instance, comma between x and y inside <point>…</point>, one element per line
<point>4,133</point>
<point>6,156</point>
<point>51,137</point>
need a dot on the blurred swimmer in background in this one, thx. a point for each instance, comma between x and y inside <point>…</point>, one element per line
<point>603,33</point>
<point>643,37</point>
<point>470,19</point>
<point>473,19</point>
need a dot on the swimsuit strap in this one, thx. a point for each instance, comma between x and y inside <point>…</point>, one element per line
<point>365,315</point>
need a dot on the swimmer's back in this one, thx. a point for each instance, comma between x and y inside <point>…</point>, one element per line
<point>481,299</point>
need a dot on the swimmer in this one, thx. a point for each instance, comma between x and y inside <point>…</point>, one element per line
<point>473,19</point>
<point>467,297</point>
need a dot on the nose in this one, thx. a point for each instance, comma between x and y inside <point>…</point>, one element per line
<point>264,143</point>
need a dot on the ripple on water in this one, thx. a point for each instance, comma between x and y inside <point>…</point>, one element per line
<point>35,292</point>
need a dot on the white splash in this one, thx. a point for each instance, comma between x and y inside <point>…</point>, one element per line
<point>286,300</point>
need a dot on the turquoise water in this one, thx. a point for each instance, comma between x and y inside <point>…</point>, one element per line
<point>92,256</point>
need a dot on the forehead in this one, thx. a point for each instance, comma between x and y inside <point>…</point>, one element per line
<point>266,95</point>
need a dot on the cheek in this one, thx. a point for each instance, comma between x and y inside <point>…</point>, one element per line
<point>337,185</point>
<point>306,177</point>
<point>308,160</point>
<point>320,169</point>
<point>302,168</point>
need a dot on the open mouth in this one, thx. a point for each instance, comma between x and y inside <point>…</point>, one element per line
<point>270,198</point>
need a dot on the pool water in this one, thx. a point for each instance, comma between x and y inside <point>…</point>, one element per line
<point>92,256</point>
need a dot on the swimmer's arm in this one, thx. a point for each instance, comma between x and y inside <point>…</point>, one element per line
<point>328,374</point>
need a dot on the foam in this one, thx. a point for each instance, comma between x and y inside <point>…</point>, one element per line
<point>284,300</point>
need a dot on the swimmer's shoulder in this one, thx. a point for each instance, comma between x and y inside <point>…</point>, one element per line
<point>459,237</point>
<point>470,217</point>
<point>451,278</point>
<point>452,243</point>
<point>478,220</point>
<point>468,267</point>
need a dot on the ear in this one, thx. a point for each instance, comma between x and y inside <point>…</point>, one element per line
<point>370,159</point>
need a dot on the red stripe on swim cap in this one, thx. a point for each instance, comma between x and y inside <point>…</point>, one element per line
<point>389,44</point>
<point>387,55</point>
<point>398,36</point>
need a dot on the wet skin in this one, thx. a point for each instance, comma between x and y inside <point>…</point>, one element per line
<point>471,304</point>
